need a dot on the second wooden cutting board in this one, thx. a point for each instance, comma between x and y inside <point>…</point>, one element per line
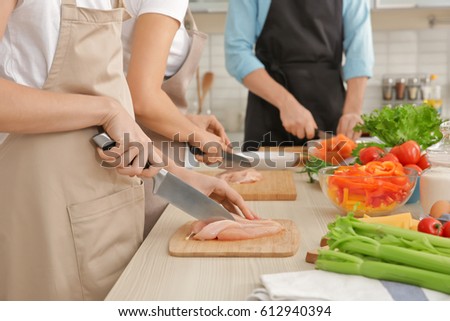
<point>275,186</point>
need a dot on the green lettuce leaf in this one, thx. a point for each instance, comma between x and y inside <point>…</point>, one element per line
<point>398,124</point>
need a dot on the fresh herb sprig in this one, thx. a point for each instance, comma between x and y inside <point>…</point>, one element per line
<point>312,166</point>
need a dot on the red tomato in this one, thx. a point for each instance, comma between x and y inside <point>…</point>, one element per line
<point>423,162</point>
<point>446,230</point>
<point>430,225</point>
<point>407,153</point>
<point>414,166</point>
<point>370,153</point>
<point>389,157</point>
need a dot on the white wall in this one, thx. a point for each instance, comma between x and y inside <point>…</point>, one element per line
<point>396,51</point>
<point>410,51</point>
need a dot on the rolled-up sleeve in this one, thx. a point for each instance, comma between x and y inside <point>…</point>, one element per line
<point>240,38</point>
<point>358,44</point>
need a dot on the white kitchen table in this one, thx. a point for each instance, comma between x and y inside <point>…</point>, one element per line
<point>153,274</point>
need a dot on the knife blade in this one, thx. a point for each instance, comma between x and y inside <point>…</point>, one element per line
<point>187,198</point>
<point>177,192</point>
<point>232,160</point>
<point>236,160</point>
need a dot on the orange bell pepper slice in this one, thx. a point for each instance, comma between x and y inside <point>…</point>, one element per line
<point>334,150</point>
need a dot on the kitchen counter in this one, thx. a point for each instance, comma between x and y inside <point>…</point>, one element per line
<point>153,274</point>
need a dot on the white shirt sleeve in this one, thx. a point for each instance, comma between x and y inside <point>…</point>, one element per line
<point>172,8</point>
<point>175,9</point>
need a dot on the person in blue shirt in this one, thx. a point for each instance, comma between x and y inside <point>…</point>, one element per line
<point>289,54</point>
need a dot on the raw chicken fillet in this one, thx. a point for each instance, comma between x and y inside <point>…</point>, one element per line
<point>245,176</point>
<point>240,229</point>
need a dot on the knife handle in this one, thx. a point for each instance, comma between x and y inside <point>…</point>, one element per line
<point>105,142</point>
<point>321,134</point>
<point>316,133</point>
<point>195,150</point>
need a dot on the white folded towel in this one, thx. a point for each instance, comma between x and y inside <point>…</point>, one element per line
<point>317,285</point>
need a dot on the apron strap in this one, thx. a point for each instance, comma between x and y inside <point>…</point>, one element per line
<point>189,21</point>
<point>120,4</point>
<point>69,2</point>
<point>115,4</point>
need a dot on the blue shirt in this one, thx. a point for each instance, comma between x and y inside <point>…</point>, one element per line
<point>245,21</point>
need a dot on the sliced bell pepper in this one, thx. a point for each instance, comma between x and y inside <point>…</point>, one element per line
<point>376,186</point>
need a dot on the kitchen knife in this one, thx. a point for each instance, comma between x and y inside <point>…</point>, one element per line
<point>320,134</point>
<point>177,192</point>
<point>236,160</point>
<point>229,159</point>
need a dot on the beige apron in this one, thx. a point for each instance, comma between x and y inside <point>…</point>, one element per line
<point>176,88</point>
<point>68,227</point>
<point>177,85</point>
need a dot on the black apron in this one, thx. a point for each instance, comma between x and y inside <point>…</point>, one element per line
<point>301,47</point>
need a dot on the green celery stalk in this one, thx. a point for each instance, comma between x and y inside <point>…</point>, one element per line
<point>382,229</point>
<point>334,261</point>
<point>392,253</point>
<point>350,226</point>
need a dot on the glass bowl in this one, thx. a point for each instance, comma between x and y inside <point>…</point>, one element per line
<point>373,195</point>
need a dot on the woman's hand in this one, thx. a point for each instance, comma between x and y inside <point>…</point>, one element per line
<point>133,148</point>
<point>211,124</point>
<point>218,190</point>
<point>210,144</point>
<point>211,138</point>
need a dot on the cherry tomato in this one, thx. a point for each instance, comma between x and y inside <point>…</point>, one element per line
<point>446,230</point>
<point>430,225</point>
<point>389,157</point>
<point>423,162</point>
<point>414,166</point>
<point>370,153</point>
<point>407,153</point>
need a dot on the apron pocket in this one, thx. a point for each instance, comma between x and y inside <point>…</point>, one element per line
<point>107,232</point>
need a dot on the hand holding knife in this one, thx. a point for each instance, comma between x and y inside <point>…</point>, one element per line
<point>175,191</point>
<point>229,159</point>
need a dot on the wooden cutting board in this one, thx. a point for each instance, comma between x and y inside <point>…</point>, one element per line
<point>300,150</point>
<point>283,244</point>
<point>275,186</point>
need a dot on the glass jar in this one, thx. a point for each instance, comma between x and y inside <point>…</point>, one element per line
<point>388,88</point>
<point>413,88</point>
<point>425,88</point>
<point>400,86</point>
<point>435,181</point>
<point>436,98</point>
